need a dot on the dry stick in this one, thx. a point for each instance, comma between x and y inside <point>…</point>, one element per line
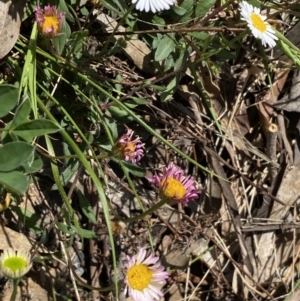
<point>238,266</point>
<point>273,227</point>
<point>95,266</point>
<point>168,225</point>
<point>177,30</point>
<point>238,173</point>
<point>286,142</point>
<point>234,213</point>
<point>293,289</point>
<point>204,142</point>
<point>63,250</point>
<point>271,151</point>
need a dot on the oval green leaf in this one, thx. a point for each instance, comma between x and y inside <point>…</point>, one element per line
<point>34,128</point>
<point>86,207</point>
<point>165,47</point>
<point>14,181</point>
<point>14,154</point>
<point>22,113</point>
<point>31,167</point>
<point>9,96</point>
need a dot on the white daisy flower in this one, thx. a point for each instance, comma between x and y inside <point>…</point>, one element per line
<point>153,5</point>
<point>14,264</point>
<point>143,276</point>
<point>257,24</point>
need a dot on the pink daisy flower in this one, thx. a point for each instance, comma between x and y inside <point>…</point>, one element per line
<point>50,22</point>
<point>129,150</point>
<point>175,186</point>
<point>143,275</point>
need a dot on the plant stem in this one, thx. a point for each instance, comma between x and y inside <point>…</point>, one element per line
<point>145,213</point>
<point>15,289</point>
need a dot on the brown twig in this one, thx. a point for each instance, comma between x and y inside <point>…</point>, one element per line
<point>282,130</point>
<point>234,213</point>
<point>176,30</point>
<point>271,151</point>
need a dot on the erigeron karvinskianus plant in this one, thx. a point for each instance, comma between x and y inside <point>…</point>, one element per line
<point>257,24</point>
<point>49,21</point>
<point>144,275</point>
<point>14,264</point>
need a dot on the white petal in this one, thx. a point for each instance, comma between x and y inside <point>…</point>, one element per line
<point>268,36</point>
<point>153,5</point>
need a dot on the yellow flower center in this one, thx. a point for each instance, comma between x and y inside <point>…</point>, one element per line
<point>14,263</point>
<point>129,148</point>
<point>173,189</point>
<point>258,23</point>
<point>50,23</point>
<point>139,277</point>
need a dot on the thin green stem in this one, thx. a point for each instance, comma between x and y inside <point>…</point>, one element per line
<point>15,289</point>
<point>99,157</point>
<point>145,213</point>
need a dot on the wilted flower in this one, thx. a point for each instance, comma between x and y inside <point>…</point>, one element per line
<point>175,186</point>
<point>14,264</point>
<point>50,22</point>
<point>257,24</point>
<point>143,276</point>
<point>127,149</point>
<point>153,5</point>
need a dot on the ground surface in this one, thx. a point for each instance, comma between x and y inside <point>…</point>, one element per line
<point>214,102</point>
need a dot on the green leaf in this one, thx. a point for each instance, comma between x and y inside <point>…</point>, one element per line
<point>138,101</point>
<point>86,207</point>
<point>78,39</point>
<point>62,6</point>
<point>169,62</point>
<point>60,40</point>
<point>88,234</point>
<point>22,113</point>
<point>112,4</point>
<point>183,55</point>
<point>68,173</point>
<point>180,11</point>
<point>14,181</point>
<point>165,47</point>
<point>170,89</point>
<point>117,112</point>
<point>34,128</point>
<point>14,154</point>
<point>35,166</point>
<point>111,124</point>
<point>84,11</point>
<point>188,5</point>
<point>134,169</point>
<point>203,7</point>
<point>201,36</point>
<point>9,96</point>
<point>29,218</point>
<point>64,228</point>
